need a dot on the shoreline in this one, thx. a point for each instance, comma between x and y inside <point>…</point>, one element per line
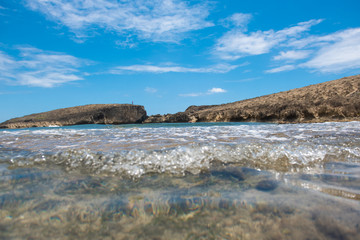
<point>149,124</point>
<point>57,124</point>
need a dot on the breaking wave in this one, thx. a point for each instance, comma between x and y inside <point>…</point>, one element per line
<point>180,149</point>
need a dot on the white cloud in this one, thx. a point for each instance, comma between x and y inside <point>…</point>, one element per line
<point>239,20</point>
<point>219,68</point>
<point>217,90</point>
<point>236,44</point>
<point>155,20</point>
<point>191,94</point>
<point>281,69</point>
<point>209,92</point>
<point>338,52</point>
<point>292,55</point>
<point>127,43</point>
<point>314,41</point>
<point>35,67</point>
<point>6,62</point>
<point>335,52</point>
<point>150,90</point>
<point>332,53</point>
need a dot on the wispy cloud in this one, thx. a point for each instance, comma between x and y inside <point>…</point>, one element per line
<point>150,90</point>
<point>236,43</point>
<point>209,92</point>
<point>335,52</point>
<point>340,52</point>
<point>332,53</point>
<point>292,55</point>
<point>239,20</point>
<point>191,94</point>
<point>157,20</point>
<point>35,67</point>
<point>219,68</point>
<point>281,69</point>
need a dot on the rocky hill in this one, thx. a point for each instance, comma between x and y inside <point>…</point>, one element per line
<point>88,114</point>
<point>337,100</point>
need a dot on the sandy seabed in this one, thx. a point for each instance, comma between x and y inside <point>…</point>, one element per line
<point>43,204</point>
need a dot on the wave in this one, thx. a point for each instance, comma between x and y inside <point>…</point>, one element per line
<point>135,151</point>
<point>193,158</point>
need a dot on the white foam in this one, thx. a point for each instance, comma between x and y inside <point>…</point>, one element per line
<point>137,151</point>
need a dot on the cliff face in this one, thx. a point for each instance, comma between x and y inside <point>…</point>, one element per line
<point>337,100</point>
<point>88,114</point>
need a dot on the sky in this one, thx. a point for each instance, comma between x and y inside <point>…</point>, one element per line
<point>169,54</point>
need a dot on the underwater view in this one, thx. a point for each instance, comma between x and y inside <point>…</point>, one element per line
<point>181,181</point>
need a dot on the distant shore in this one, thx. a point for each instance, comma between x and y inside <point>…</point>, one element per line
<point>337,100</point>
<point>87,114</point>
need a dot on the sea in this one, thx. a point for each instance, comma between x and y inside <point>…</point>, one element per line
<point>181,181</point>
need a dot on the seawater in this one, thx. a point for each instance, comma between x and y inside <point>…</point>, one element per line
<point>181,181</point>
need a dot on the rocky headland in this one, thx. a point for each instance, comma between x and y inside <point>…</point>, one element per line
<point>88,114</point>
<point>337,100</point>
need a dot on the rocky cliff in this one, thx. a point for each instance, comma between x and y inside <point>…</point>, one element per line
<point>88,114</point>
<point>337,100</point>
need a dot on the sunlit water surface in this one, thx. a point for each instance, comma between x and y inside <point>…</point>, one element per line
<point>181,181</point>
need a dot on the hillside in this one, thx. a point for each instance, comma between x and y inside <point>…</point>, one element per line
<point>337,100</point>
<point>87,114</point>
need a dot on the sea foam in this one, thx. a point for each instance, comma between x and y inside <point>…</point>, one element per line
<point>135,151</point>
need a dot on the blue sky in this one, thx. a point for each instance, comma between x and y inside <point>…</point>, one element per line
<point>169,54</point>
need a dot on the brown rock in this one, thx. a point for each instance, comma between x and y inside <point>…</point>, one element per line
<point>337,100</point>
<point>88,114</point>
<point>169,118</point>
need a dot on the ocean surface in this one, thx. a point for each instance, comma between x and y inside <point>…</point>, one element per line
<point>181,181</point>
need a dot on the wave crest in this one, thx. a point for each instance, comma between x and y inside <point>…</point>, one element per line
<point>194,158</point>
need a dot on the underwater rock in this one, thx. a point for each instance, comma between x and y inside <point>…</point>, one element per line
<point>266,185</point>
<point>229,173</point>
